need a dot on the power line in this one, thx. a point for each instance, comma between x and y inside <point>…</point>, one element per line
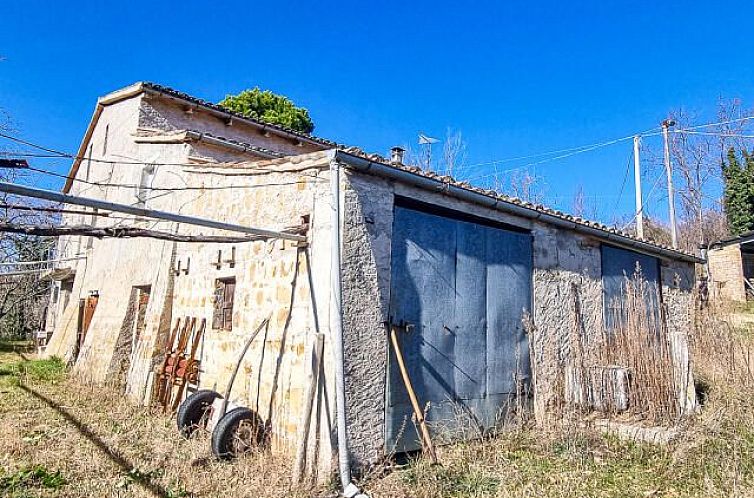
<point>623,185</point>
<point>126,232</point>
<point>707,125</point>
<point>66,155</point>
<point>577,150</point>
<point>21,207</point>
<point>712,134</point>
<point>646,201</point>
<point>170,189</point>
<point>24,263</point>
<point>566,155</point>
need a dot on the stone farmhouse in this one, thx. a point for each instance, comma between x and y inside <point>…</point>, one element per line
<point>456,269</point>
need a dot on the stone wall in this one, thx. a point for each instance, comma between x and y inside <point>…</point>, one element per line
<point>273,278</point>
<point>678,281</point>
<point>566,318</point>
<point>168,115</point>
<point>726,273</point>
<point>367,235</point>
<point>567,292</point>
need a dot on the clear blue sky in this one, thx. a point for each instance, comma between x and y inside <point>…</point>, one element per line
<point>516,77</point>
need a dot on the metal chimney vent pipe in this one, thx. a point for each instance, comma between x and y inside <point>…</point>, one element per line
<point>396,155</point>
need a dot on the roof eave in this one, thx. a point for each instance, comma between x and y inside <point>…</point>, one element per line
<point>381,169</point>
<point>144,87</point>
<point>148,88</point>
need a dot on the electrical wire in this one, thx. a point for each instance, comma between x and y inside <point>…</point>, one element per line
<point>645,201</point>
<point>707,125</point>
<point>577,150</point>
<point>57,154</point>
<point>712,134</point>
<point>563,156</point>
<point>169,189</point>
<point>623,185</point>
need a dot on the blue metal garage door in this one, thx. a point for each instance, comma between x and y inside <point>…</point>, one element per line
<point>462,287</point>
<point>621,264</point>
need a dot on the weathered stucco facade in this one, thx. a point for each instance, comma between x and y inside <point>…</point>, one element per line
<point>291,282</point>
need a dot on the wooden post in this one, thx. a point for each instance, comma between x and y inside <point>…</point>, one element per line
<point>418,412</point>
<point>317,348</point>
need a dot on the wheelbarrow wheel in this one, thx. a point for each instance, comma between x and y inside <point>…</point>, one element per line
<point>239,431</point>
<point>194,412</point>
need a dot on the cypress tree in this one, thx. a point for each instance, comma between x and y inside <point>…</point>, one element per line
<point>738,193</point>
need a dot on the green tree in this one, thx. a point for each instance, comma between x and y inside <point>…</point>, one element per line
<point>270,107</point>
<point>738,193</point>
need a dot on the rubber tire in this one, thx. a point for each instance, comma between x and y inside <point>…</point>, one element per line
<point>222,436</point>
<point>192,414</point>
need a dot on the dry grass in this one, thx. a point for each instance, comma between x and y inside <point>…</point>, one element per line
<point>99,444</point>
<point>59,438</point>
<point>712,457</point>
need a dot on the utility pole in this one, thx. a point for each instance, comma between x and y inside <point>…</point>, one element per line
<point>637,189</point>
<point>669,172</point>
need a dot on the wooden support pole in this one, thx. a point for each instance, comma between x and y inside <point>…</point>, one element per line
<point>418,412</point>
<point>316,355</point>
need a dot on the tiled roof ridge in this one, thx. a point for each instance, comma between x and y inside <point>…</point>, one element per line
<point>205,103</point>
<point>239,143</point>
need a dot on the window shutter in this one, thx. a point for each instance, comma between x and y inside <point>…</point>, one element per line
<point>217,315</point>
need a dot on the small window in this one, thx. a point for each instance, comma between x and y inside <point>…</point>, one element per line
<point>145,182</point>
<point>88,164</point>
<point>222,317</point>
<point>104,142</point>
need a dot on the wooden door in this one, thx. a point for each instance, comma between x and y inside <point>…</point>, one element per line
<point>90,305</point>
<point>459,289</point>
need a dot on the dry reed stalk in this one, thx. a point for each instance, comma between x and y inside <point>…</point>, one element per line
<point>625,366</point>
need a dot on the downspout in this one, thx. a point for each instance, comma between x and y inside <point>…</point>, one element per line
<point>350,490</point>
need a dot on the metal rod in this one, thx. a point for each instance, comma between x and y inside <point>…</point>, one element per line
<point>232,379</point>
<point>12,188</point>
<point>24,272</point>
<point>19,263</point>
<point>637,188</point>
<point>336,330</point>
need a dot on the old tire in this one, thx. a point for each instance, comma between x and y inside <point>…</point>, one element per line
<point>239,431</point>
<point>194,411</point>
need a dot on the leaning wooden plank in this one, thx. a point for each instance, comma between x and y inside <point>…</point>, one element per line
<point>426,439</point>
<point>317,347</point>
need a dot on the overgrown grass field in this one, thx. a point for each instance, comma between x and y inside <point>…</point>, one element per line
<point>59,437</point>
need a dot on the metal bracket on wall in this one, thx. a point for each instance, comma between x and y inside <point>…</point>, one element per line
<point>232,260</point>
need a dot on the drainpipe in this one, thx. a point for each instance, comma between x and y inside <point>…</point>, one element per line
<point>350,490</point>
